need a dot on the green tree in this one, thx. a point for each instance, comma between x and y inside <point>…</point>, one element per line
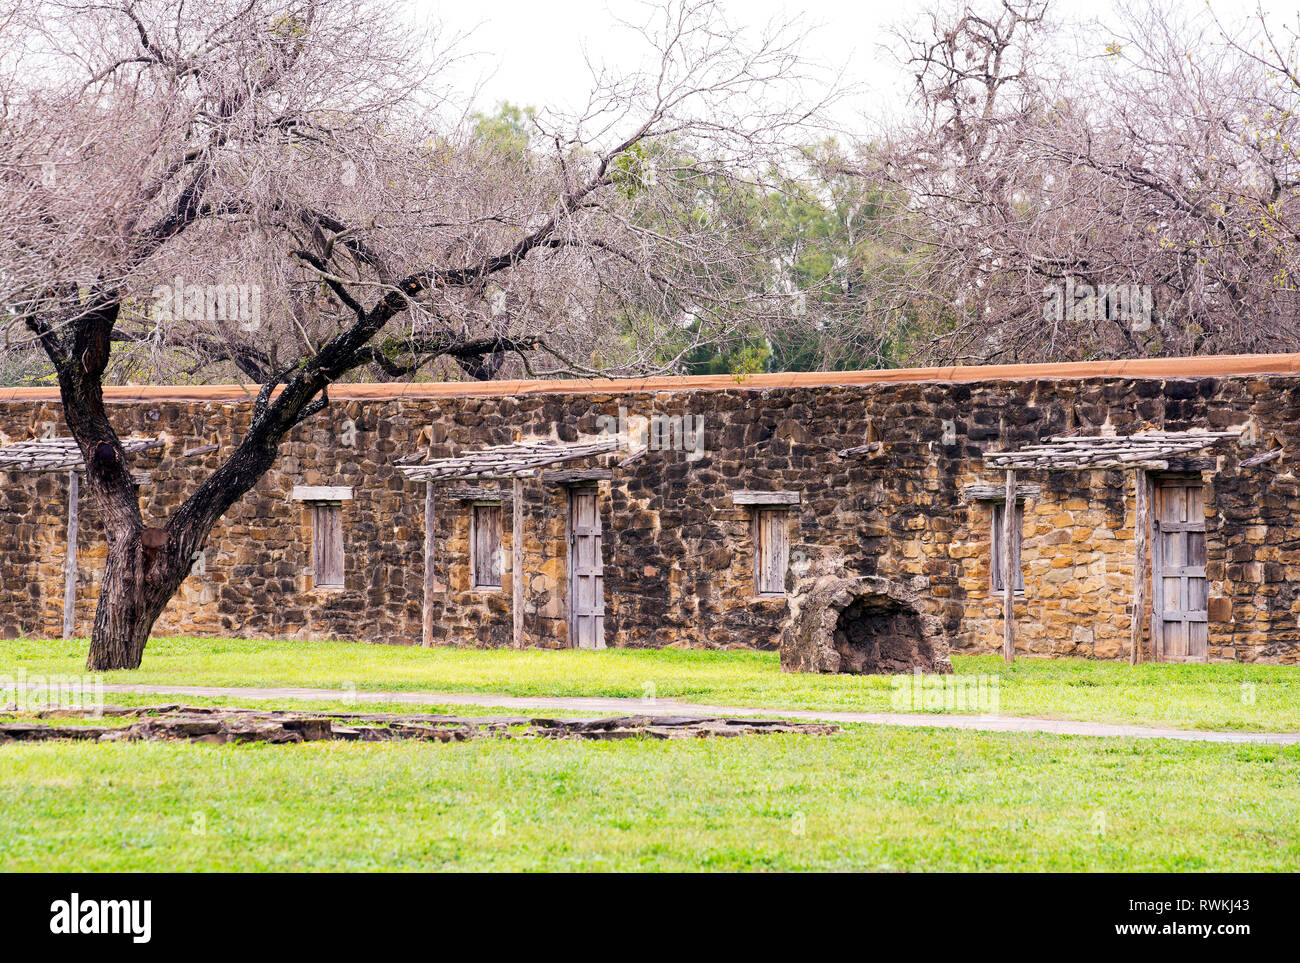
<point>508,130</point>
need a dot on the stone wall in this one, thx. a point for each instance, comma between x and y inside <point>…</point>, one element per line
<point>678,553</point>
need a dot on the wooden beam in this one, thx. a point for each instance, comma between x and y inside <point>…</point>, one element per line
<point>1261,458</point>
<point>1192,464</point>
<point>764,498</point>
<point>1008,573</point>
<point>1141,535</point>
<point>870,448</point>
<point>996,493</point>
<point>476,494</point>
<point>517,562</point>
<point>322,493</point>
<point>577,475</point>
<point>70,558</point>
<point>506,461</point>
<point>59,454</point>
<point>430,551</point>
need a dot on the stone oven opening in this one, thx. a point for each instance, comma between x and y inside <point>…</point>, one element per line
<point>878,634</point>
<point>860,625</point>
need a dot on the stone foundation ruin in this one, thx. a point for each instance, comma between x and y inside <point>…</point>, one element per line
<point>175,722</point>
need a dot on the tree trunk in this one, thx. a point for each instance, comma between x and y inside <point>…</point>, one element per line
<point>145,565</point>
<point>118,638</point>
<point>121,621</point>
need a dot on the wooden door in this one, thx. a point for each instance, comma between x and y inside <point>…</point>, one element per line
<point>771,551</point>
<point>586,571</point>
<point>995,544</point>
<point>327,544</point>
<point>485,545</point>
<point>1179,621</point>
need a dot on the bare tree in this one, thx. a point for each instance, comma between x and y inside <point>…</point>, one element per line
<point>1185,159</point>
<point>1153,152</point>
<point>163,161</point>
<point>961,162</point>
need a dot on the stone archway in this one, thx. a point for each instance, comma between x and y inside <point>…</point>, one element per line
<point>861,625</point>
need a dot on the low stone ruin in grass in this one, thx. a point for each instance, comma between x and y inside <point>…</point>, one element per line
<point>227,725</point>
<point>862,624</point>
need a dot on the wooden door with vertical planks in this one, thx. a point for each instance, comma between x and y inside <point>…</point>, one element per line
<point>1179,620</point>
<point>586,571</point>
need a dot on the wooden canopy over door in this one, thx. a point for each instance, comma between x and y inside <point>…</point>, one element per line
<point>1179,619</point>
<point>586,570</point>
<point>1179,623</point>
<point>513,462</point>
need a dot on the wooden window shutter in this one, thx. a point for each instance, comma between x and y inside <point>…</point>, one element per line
<point>327,545</point>
<point>771,550</point>
<point>995,563</point>
<point>485,546</point>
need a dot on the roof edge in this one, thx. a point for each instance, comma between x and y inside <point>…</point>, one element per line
<point>1206,366</point>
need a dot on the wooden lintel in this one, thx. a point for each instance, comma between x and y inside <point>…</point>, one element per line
<point>764,498</point>
<point>476,494</point>
<point>569,477</point>
<point>322,493</point>
<point>998,493</point>
<point>1191,464</point>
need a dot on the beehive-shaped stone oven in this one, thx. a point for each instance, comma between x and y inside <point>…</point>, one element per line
<point>862,625</point>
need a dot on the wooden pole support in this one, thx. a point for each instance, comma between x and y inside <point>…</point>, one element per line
<point>1141,535</point>
<point>70,558</point>
<point>517,563</point>
<point>430,575</point>
<point>1009,572</point>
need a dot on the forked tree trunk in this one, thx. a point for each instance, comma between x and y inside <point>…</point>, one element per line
<point>146,565</point>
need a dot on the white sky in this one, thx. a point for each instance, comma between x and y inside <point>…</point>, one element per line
<point>531,52</point>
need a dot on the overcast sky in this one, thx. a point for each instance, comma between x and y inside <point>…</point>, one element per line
<point>531,52</point>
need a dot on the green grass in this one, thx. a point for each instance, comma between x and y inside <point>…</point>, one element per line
<point>868,798</point>
<point>1221,696</point>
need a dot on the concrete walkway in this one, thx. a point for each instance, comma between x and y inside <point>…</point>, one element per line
<point>671,707</point>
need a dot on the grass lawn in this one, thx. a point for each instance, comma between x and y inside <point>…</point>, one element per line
<point>868,798</point>
<point>1223,696</point>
